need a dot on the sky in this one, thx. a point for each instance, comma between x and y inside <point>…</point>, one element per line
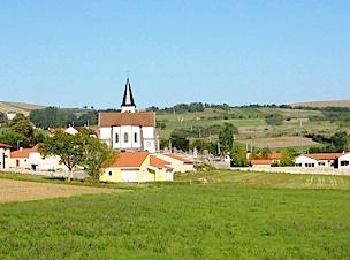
<point>75,53</point>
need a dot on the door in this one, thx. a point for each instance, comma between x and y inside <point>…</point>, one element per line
<point>129,175</point>
<point>3,160</point>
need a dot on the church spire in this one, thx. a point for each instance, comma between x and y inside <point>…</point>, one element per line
<point>128,103</point>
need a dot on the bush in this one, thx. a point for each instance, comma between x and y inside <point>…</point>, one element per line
<point>274,119</point>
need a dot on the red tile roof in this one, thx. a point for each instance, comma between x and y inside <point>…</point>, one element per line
<point>178,157</point>
<point>146,119</point>
<point>323,156</point>
<point>261,162</point>
<point>24,153</point>
<point>130,159</point>
<point>158,163</point>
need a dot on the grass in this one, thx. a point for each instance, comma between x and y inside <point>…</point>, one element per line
<point>234,216</point>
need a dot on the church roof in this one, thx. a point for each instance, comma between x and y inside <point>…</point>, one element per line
<point>128,99</point>
<point>146,119</point>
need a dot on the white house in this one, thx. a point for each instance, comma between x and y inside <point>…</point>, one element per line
<point>11,115</point>
<point>344,161</point>
<point>30,158</point>
<point>317,160</point>
<point>178,162</point>
<point>128,130</point>
<point>4,155</point>
<point>71,130</point>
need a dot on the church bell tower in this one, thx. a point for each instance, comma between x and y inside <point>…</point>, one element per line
<point>128,103</point>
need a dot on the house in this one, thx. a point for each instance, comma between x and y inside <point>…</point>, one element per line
<point>4,155</point>
<point>261,163</point>
<point>343,161</point>
<point>272,158</point>
<point>30,158</point>
<point>138,166</point>
<point>178,162</point>
<point>128,130</point>
<point>11,115</point>
<point>71,130</point>
<point>317,160</point>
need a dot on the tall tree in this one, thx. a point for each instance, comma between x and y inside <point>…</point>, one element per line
<point>70,149</point>
<point>97,156</point>
<point>226,136</point>
<point>22,125</point>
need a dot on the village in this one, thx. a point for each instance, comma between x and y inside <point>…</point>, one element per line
<point>134,135</point>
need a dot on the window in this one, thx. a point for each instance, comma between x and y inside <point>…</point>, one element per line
<point>298,164</point>
<point>110,173</point>
<point>135,137</point>
<point>344,163</point>
<point>126,137</point>
<point>116,138</point>
<point>321,163</point>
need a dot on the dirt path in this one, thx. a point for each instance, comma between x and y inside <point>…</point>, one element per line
<point>11,190</point>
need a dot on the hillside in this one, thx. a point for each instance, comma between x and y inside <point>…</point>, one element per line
<point>251,125</point>
<point>328,103</point>
<point>18,107</point>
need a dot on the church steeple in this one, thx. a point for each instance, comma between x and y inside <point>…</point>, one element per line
<point>128,103</point>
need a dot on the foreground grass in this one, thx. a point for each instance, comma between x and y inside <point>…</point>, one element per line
<point>230,217</point>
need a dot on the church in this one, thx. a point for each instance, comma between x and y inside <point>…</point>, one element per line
<point>129,129</point>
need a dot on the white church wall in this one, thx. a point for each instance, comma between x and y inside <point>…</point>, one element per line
<point>105,133</point>
<point>130,144</point>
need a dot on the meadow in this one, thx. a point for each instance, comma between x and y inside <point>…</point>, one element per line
<point>251,125</point>
<point>232,216</point>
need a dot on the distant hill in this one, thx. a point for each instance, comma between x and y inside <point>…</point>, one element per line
<point>328,103</point>
<point>18,107</point>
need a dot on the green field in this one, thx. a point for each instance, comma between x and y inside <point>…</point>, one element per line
<point>233,216</point>
<point>250,123</point>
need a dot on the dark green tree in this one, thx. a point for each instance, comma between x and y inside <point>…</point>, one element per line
<point>180,140</point>
<point>274,119</point>
<point>226,136</point>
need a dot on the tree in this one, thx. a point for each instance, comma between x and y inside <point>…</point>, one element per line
<point>70,149</point>
<point>288,157</point>
<point>274,119</point>
<point>238,155</point>
<point>179,140</point>
<point>226,136</point>
<point>97,155</point>
<point>20,131</point>
<point>341,141</point>
<point>12,138</point>
<point>22,125</point>
<point>3,118</point>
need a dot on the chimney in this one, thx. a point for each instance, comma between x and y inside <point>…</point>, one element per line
<point>21,148</point>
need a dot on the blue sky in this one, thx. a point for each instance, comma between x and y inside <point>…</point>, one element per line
<point>76,53</point>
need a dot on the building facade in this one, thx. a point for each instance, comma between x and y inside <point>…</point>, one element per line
<point>128,130</point>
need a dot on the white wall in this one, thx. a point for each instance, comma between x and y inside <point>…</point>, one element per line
<point>108,133</point>
<point>131,131</point>
<point>343,158</point>
<point>5,151</point>
<point>305,160</point>
<point>105,133</point>
<point>49,163</point>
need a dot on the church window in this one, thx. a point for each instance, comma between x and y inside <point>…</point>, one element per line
<point>116,137</point>
<point>126,137</point>
<point>135,137</point>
